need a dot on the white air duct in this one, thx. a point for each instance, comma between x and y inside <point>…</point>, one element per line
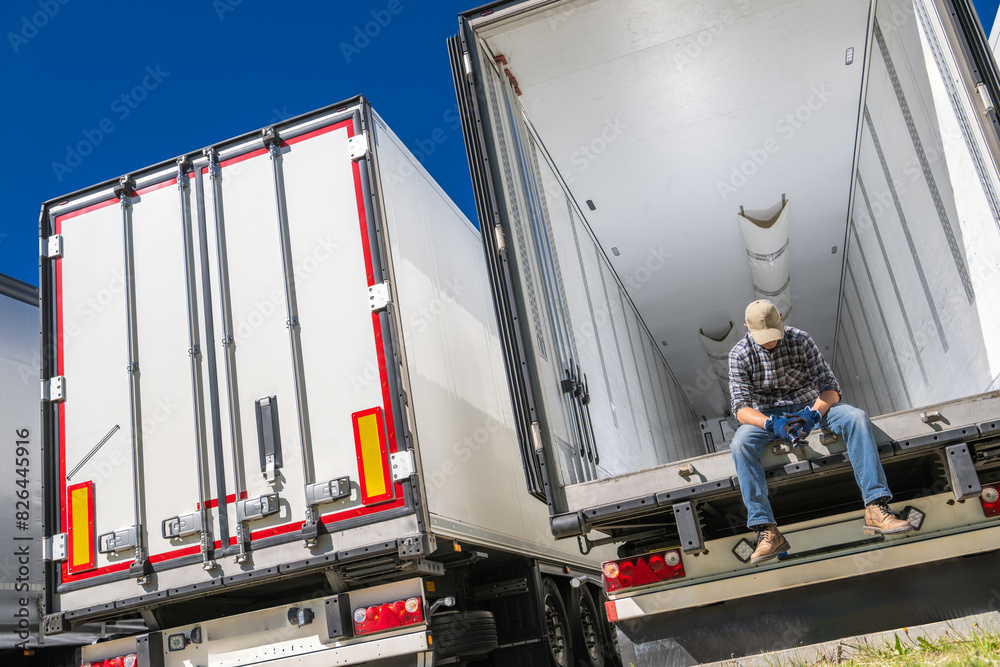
<point>717,350</point>
<point>765,235</point>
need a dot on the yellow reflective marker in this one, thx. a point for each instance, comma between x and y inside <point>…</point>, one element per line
<point>82,554</point>
<point>373,456</point>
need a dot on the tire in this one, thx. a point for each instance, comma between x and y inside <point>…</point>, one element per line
<point>588,628</point>
<point>557,628</point>
<point>463,633</point>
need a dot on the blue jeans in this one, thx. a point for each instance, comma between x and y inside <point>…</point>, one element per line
<point>847,421</point>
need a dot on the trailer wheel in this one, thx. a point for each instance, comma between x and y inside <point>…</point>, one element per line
<point>463,633</point>
<point>588,633</point>
<point>557,628</point>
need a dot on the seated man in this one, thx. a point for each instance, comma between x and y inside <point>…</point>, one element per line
<point>776,370</point>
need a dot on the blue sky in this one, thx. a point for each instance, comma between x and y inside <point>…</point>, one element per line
<point>155,80</point>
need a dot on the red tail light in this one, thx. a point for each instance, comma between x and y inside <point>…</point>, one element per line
<point>388,615</point>
<point>642,570</point>
<point>121,661</point>
<point>990,500</point>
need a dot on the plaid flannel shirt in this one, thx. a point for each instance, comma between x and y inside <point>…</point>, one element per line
<point>793,372</point>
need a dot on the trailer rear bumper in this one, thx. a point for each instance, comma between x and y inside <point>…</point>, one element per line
<point>410,649</point>
<point>756,581</point>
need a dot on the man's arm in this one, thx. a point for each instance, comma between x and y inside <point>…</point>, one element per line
<point>741,389</point>
<point>826,381</point>
<point>825,401</point>
<point>748,415</point>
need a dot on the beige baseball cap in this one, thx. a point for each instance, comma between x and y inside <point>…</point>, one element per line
<point>764,322</point>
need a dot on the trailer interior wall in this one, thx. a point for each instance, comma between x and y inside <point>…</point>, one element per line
<point>920,307</point>
<point>581,319</point>
<point>474,484</point>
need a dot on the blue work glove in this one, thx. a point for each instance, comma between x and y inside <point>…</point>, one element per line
<point>806,420</point>
<point>782,427</point>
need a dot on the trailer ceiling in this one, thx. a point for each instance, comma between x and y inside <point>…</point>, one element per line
<point>669,116</point>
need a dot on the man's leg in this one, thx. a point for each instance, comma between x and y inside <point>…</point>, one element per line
<point>855,429</point>
<point>747,447</point>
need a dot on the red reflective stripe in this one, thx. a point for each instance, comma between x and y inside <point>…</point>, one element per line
<point>241,158</point>
<point>156,186</point>
<point>214,502</point>
<point>612,610</point>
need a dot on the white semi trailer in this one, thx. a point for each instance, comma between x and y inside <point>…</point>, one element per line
<point>645,169</point>
<point>277,421</point>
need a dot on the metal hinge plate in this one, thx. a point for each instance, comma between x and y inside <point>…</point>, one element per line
<point>402,465</point>
<point>378,296</point>
<point>51,247</point>
<point>119,540</point>
<point>257,508</point>
<point>327,492</point>
<point>54,389</point>
<point>181,526</point>
<point>358,145</point>
<point>501,240</point>
<point>984,95</point>
<point>54,548</point>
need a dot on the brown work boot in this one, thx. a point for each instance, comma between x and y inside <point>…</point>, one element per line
<point>879,518</point>
<point>770,543</point>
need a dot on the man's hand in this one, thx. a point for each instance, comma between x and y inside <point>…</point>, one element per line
<point>782,427</point>
<point>806,419</point>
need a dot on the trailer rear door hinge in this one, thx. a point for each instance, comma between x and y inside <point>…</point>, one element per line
<point>181,526</point>
<point>984,95</point>
<point>378,296</point>
<point>358,145</point>
<point>536,436</point>
<point>402,465</point>
<point>54,548</point>
<point>256,508</point>
<point>54,389</point>
<point>51,247</point>
<point>501,239</point>
<point>327,492</point>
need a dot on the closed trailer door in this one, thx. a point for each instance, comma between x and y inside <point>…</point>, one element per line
<point>222,381</point>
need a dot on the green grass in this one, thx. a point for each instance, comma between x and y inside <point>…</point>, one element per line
<point>979,648</point>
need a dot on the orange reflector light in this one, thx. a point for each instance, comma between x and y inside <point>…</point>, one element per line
<point>82,551</point>
<point>387,616</point>
<point>642,570</point>
<point>373,456</point>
